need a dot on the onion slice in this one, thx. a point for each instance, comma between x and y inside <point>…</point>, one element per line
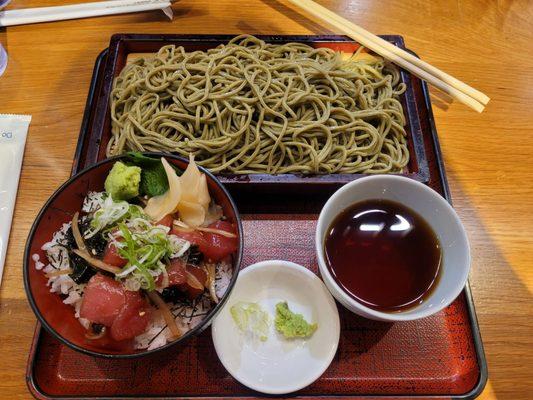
<point>95,262</point>
<point>210,269</point>
<point>53,274</point>
<point>182,226</point>
<point>218,232</point>
<point>77,234</point>
<point>193,282</point>
<point>167,314</point>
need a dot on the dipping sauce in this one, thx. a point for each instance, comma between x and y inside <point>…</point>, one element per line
<point>383,254</point>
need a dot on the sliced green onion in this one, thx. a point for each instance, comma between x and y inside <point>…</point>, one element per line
<point>251,318</point>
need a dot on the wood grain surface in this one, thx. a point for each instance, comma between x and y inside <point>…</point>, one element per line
<point>489,156</point>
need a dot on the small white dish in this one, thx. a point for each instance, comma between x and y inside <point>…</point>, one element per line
<point>278,365</point>
<point>431,206</point>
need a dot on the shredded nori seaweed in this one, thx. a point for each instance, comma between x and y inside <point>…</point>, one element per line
<point>195,256</point>
<point>96,244</point>
<point>81,270</point>
<point>173,294</point>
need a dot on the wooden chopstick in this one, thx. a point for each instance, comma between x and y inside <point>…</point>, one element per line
<point>447,83</point>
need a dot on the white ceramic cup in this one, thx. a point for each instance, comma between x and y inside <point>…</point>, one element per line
<point>429,205</point>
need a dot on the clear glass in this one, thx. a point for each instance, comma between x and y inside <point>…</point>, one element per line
<point>3,54</point>
<point>3,60</point>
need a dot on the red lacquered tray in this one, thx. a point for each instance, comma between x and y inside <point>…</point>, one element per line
<point>437,357</point>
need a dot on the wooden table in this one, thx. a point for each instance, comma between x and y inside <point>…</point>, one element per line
<point>488,156</point>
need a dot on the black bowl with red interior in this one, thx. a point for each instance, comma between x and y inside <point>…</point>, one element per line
<point>59,318</point>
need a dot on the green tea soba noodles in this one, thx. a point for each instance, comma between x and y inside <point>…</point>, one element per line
<point>253,107</point>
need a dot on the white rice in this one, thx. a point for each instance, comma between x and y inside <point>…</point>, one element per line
<point>186,317</point>
<point>92,202</point>
<point>157,334</point>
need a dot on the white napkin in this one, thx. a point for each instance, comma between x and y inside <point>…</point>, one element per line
<point>82,10</point>
<point>13,132</point>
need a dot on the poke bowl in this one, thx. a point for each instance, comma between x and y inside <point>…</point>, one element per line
<point>133,255</point>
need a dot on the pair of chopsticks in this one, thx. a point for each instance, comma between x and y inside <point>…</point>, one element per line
<point>434,76</point>
<point>83,10</point>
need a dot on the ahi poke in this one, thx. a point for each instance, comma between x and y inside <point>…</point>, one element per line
<point>145,259</point>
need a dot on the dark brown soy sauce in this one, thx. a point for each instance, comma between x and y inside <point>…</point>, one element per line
<point>383,254</point>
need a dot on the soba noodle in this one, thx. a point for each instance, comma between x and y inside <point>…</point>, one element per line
<point>252,107</point>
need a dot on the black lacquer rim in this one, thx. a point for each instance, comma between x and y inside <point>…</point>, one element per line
<point>476,334</point>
